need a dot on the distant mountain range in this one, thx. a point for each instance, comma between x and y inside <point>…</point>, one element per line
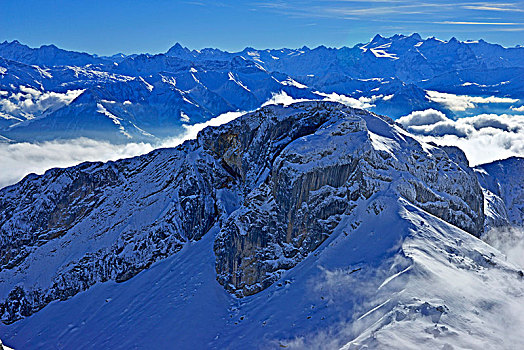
<point>48,93</point>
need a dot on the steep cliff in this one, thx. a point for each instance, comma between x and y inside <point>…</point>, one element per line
<point>307,170</point>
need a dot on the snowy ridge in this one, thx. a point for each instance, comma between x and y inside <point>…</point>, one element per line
<point>320,177</point>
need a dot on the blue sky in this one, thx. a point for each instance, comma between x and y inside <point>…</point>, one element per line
<point>129,26</point>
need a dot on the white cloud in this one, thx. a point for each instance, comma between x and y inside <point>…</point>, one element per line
<point>480,23</point>
<point>282,98</point>
<point>497,7</point>
<point>518,109</point>
<point>30,103</point>
<point>484,138</point>
<point>24,158</point>
<point>510,241</point>
<point>429,116</point>
<point>460,103</point>
<point>20,159</point>
<point>30,90</point>
<point>191,131</point>
<point>362,102</point>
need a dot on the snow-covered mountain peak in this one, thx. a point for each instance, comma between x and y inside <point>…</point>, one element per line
<point>302,167</point>
<point>10,43</point>
<point>416,36</point>
<point>46,55</point>
<point>179,51</point>
<point>315,216</point>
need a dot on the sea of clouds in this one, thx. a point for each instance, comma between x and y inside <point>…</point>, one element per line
<point>19,159</point>
<point>484,137</point>
<point>461,103</point>
<point>29,103</point>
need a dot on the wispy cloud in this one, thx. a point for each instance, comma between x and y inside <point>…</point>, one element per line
<point>481,23</point>
<point>517,29</point>
<point>509,7</point>
<point>197,3</point>
<point>348,9</point>
<point>463,102</point>
<point>428,12</point>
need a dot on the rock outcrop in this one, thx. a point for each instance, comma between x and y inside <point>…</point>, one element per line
<point>307,171</point>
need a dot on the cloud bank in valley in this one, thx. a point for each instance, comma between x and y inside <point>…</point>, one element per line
<point>484,138</point>
<point>362,102</point>
<point>460,103</point>
<point>29,103</point>
<point>20,159</point>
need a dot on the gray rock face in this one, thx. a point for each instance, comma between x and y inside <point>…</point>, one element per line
<point>98,222</point>
<point>303,190</point>
<point>274,183</point>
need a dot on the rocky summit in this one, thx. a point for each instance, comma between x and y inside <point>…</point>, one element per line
<point>294,210</point>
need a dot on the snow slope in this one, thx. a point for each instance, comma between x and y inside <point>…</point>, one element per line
<point>392,283</point>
